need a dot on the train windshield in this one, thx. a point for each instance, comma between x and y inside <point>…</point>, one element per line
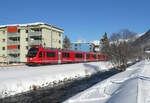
<point>32,52</point>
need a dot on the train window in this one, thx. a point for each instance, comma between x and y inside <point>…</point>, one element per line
<point>66,54</point>
<point>94,56</point>
<point>87,56</point>
<point>104,56</point>
<point>40,54</point>
<point>78,55</point>
<point>32,52</point>
<point>43,54</point>
<point>51,54</point>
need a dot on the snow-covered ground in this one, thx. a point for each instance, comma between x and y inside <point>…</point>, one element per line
<point>131,86</point>
<point>19,79</point>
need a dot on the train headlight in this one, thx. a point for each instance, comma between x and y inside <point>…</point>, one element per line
<point>30,58</point>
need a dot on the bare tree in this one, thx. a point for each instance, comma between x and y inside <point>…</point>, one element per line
<point>121,49</point>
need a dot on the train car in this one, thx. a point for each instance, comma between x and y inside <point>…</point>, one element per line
<point>79,57</point>
<point>67,57</point>
<point>88,57</point>
<point>40,55</point>
<point>94,58</point>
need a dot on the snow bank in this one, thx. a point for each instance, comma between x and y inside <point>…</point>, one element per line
<point>20,79</point>
<point>131,86</point>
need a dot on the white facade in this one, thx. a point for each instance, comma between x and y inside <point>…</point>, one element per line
<point>15,44</point>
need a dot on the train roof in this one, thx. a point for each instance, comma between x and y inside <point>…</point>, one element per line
<point>52,48</point>
<point>58,49</point>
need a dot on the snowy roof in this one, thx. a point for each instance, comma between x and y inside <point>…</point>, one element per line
<point>29,24</point>
<point>137,36</point>
<point>96,42</point>
<point>36,23</point>
<point>145,37</point>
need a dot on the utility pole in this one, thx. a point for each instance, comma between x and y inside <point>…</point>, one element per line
<point>51,37</point>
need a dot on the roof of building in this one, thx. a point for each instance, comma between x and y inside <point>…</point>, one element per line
<point>29,24</point>
<point>145,37</point>
<point>96,42</point>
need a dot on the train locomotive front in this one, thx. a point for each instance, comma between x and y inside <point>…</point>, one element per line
<point>40,55</point>
<point>33,56</point>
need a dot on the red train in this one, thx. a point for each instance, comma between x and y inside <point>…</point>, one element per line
<point>40,55</point>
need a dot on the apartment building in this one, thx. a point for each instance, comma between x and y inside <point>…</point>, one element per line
<point>83,46</point>
<point>15,40</point>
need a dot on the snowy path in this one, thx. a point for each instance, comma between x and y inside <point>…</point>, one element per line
<point>131,86</point>
<point>144,82</point>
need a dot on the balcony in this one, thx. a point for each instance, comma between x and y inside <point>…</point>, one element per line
<point>13,59</point>
<point>13,42</point>
<point>13,34</point>
<point>35,42</point>
<point>13,51</point>
<point>36,33</point>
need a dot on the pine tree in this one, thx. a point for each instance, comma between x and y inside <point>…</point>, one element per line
<point>104,39</point>
<point>66,43</point>
<point>104,42</point>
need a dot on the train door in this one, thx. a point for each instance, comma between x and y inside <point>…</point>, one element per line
<point>44,57</point>
<point>40,58</point>
<point>59,57</point>
<point>85,57</point>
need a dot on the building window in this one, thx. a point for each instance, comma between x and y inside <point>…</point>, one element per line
<point>18,39</point>
<point>18,46</point>
<point>26,39</point>
<point>3,48</point>
<point>59,34</point>
<point>59,41</point>
<point>18,30</point>
<point>26,31</point>
<point>27,47</point>
<point>3,40</point>
<point>76,45</point>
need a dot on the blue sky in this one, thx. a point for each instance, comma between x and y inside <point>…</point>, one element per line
<point>80,19</point>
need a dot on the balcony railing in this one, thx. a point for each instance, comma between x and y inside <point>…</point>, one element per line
<point>13,51</point>
<point>36,33</point>
<point>13,42</point>
<point>35,42</point>
<point>13,59</point>
<point>13,35</point>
